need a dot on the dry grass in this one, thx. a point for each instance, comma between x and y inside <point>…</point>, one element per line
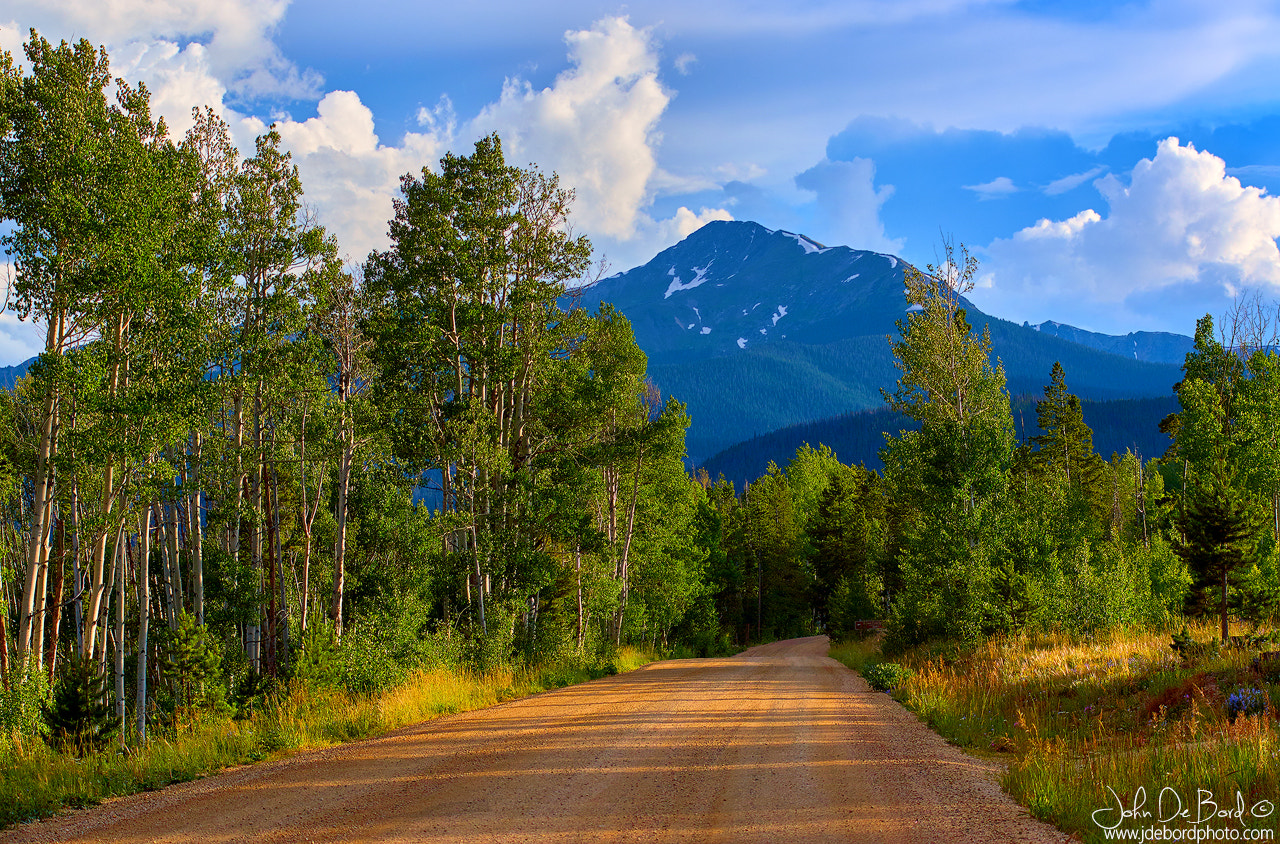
<point>1087,721</point>
<point>36,781</point>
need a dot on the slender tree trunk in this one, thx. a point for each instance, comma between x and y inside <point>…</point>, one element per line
<point>577,560</point>
<point>340,542</point>
<point>626,550</point>
<point>59,586</point>
<point>282,606</point>
<point>46,450</point>
<point>98,570</point>
<point>195,530</point>
<point>39,636</point>
<point>175,559</point>
<point>121,552</point>
<point>144,618</point>
<point>77,581</point>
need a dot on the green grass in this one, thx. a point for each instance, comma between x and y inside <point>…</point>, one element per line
<point>1079,718</point>
<point>36,781</point>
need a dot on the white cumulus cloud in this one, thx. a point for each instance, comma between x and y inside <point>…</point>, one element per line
<point>596,125</point>
<point>348,175</point>
<point>235,35</point>
<point>685,222</point>
<point>1181,224</point>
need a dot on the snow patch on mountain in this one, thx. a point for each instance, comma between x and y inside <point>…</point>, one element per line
<point>742,342</point>
<point>706,330</point>
<point>779,314</point>
<point>851,278</point>
<point>699,276</point>
<point>809,246</point>
<point>913,309</point>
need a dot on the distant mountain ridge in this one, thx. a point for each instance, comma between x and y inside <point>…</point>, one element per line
<point>1119,425</point>
<point>757,329</point>
<point>1157,346</point>
<point>9,375</point>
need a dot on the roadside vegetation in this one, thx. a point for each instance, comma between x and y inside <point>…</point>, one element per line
<point>256,495</point>
<point>1085,721</point>
<point>1106,624</point>
<point>37,777</point>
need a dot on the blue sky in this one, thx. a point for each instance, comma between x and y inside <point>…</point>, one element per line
<point>1112,164</point>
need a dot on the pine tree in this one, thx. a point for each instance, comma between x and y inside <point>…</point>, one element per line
<point>1219,545</point>
<point>1067,442</point>
<point>79,717</point>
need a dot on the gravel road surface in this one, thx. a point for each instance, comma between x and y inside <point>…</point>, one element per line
<point>777,744</point>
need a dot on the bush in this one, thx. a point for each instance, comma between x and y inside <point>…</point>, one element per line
<point>887,676</point>
<point>78,717</point>
<point>22,705</point>
<point>317,662</point>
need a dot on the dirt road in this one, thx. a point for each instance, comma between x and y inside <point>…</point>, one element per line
<point>777,744</point>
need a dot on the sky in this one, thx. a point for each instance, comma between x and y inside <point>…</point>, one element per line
<point>1111,164</point>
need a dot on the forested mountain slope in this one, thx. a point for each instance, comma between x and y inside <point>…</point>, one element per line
<point>858,437</point>
<point>757,329</point>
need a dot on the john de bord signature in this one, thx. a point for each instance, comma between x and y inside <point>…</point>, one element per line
<point>1169,807</point>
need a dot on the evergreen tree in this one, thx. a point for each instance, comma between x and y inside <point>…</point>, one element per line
<point>79,717</point>
<point>1219,545</point>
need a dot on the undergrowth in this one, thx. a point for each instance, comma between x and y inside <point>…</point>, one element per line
<point>1090,724</point>
<point>36,780</point>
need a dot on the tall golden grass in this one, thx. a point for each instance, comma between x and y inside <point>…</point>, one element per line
<point>36,781</point>
<point>1089,722</point>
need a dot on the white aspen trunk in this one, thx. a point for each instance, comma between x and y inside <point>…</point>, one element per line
<point>196,535</point>
<point>179,603</point>
<point>340,542</point>
<point>582,621</point>
<point>103,622</point>
<point>121,551</point>
<point>144,619</point>
<point>60,571</point>
<point>195,530</point>
<point>232,542</point>
<point>166,570</point>
<point>98,569</point>
<point>46,449</point>
<point>77,582</point>
<point>626,550</point>
<point>281,622</point>
<point>43,612</point>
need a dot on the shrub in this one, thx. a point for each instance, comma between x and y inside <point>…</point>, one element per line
<point>22,705</point>
<point>317,662</point>
<point>886,676</point>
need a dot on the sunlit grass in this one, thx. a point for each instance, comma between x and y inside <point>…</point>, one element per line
<point>36,781</point>
<point>1081,717</point>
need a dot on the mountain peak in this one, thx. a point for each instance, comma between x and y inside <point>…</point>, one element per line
<point>735,284</point>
